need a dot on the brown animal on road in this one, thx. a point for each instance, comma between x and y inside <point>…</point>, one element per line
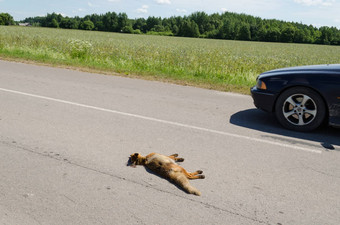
<point>167,167</point>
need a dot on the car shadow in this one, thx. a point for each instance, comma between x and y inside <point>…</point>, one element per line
<point>256,119</point>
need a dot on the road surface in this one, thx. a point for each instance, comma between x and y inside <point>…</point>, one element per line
<point>65,138</point>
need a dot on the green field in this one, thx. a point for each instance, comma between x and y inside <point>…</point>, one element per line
<point>216,64</point>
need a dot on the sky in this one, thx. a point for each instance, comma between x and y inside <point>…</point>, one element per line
<point>311,12</point>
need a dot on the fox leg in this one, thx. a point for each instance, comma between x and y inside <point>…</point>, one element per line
<point>174,157</point>
<point>197,172</point>
<point>194,175</point>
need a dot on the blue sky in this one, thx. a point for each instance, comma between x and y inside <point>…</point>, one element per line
<point>315,12</point>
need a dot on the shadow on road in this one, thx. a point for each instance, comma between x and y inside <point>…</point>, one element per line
<point>255,119</point>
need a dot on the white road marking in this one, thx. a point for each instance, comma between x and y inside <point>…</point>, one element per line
<point>166,122</point>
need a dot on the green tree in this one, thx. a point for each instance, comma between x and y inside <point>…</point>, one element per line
<point>87,25</point>
<point>123,21</point>
<point>262,33</point>
<point>307,35</point>
<point>151,22</point>
<point>201,19</point>
<point>329,35</point>
<point>158,28</point>
<point>52,20</point>
<point>139,24</point>
<point>127,29</point>
<point>244,32</point>
<point>227,30</point>
<point>299,36</point>
<point>110,21</point>
<point>65,23</point>
<point>6,19</point>
<point>54,23</point>
<point>288,33</point>
<point>189,29</point>
<point>273,34</point>
<point>97,20</point>
<point>175,29</point>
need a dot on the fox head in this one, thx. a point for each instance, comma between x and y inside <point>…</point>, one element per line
<point>136,159</point>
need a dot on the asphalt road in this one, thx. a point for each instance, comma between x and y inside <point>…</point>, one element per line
<point>65,138</point>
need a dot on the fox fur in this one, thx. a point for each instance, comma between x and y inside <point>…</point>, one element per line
<point>167,167</point>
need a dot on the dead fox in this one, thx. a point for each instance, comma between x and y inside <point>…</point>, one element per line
<point>167,167</point>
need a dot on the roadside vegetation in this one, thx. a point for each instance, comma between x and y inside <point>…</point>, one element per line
<point>217,64</point>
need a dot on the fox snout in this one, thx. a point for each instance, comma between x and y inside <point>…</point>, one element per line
<point>133,160</point>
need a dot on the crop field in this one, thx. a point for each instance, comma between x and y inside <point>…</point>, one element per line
<point>217,64</point>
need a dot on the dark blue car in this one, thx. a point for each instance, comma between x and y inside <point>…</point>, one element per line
<point>302,98</point>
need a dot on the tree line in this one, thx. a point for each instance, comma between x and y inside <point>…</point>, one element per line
<point>6,19</point>
<point>228,25</point>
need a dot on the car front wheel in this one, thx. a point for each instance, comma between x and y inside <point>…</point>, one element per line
<point>300,109</point>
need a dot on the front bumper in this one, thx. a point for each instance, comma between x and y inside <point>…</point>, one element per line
<point>263,100</point>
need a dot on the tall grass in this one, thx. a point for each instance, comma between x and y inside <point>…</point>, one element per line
<point>219,64</point>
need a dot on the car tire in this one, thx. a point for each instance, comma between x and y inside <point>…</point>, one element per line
<point>300,109</point>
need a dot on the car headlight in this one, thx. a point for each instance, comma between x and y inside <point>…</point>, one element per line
<point>261,85</point>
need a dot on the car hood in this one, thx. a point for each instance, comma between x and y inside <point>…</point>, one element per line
<point>320,69</point>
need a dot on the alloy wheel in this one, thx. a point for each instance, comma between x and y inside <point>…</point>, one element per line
<point>299,109</point>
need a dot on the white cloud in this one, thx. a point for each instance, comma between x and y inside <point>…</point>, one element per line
<point>144,9</point>
<point>181,10</point>
<point>224,10</point>
<point>90,4</point>
<point>113,0</point>
<point>315,2</point>
<point>164,2</point>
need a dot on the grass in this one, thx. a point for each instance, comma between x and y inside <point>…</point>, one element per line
<point>216,64</point>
